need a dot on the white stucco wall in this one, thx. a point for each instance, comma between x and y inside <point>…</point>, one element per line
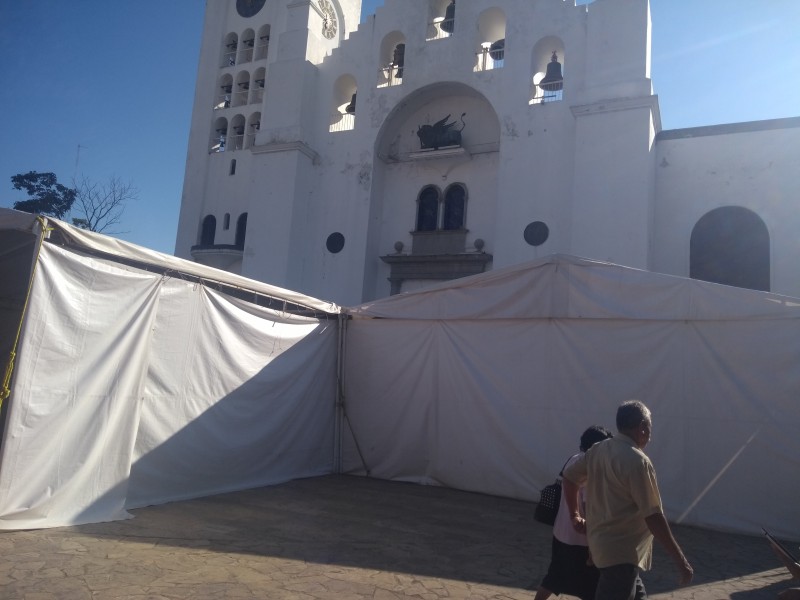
<point>753,165</point>
<point>587,166</point>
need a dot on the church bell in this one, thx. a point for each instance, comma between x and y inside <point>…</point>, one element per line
<point>448,24</point>
<point>351,108</point>
<point>399,59</point>
<point>553,80</point>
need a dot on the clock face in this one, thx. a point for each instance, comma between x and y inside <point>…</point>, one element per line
<point>329,27</point>
<point>247,8</point>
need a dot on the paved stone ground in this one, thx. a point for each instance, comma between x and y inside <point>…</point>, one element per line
<point>344,538</point>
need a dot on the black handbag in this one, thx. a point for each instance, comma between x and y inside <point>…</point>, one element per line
<point>547,509</point>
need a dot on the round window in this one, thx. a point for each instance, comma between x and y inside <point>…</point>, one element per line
<point>536,233</point>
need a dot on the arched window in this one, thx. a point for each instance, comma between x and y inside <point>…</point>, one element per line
<point>226,222</point>
<point>442,19</point>
<point>229,47</point>
<point>455,198</point>
<point>547,75</point>
<point>236,133</point>
<point>343,110</point>
<point>262,43</point>
<point>208,231</point>
<point>219,135</point>
<point>241,230</point>
<point>428,209</point>
<point>392,60</point>
<point>253,127</point>
<point>257,89</point>
<point>241,91</point>
<point>491,50</point>
<point>247,46</point>
<point>224,92</point>
<point>730,245</point>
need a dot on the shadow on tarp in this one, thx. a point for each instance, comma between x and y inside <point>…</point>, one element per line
<point>398,527</point>
<point>276,426</point>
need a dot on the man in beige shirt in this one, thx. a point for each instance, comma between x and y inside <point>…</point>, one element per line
<point>623,507</point>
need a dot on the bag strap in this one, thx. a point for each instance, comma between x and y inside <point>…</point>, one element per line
<point>561,472</point>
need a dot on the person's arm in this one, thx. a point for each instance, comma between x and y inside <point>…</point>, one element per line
<point>658,526</point>
<point>570,491</point>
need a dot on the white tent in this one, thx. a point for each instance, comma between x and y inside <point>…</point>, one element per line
<point>141,378</point>
<point>486,383</point>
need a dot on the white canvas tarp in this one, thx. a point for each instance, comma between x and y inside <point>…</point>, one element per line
<point>134,387</point>
<point>486,383</point>
<point>141,378</point>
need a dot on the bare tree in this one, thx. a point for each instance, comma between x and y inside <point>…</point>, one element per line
<point>100,206</point>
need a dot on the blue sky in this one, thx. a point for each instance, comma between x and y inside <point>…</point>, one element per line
<point>117,79</point>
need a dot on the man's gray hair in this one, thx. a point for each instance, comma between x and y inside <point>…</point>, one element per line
<point>630,414</point>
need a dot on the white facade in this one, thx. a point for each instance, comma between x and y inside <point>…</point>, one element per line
<point>331,198</point>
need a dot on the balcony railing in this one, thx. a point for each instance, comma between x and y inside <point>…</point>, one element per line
<point>488,60</point>
<point>391,75</point>
<point>542,96</point>
<point>342,122</point>
<point>240,97</point>
<point>438,29</point>
<point>236,141</point>
<point>262,49</point>
<point>228,59</point>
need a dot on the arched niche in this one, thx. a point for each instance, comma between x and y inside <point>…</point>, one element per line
<point>236,133</point>
<point>343,103</point>
<point>490,41</point>
<point>208,230</point>
<point>241,88</point>
<point>262,43</point>
<point>241,230</point>
<point>401,171</point>
<point>219,135</point>
<point>257,86</point>
<point>391,59</point>
<point>247,46</point>
<point>224,92</point>
<point>398,135</point>
<point>253,127</point>
<point>731,245</point>
<point>441,19</point>
<point>230,45</point>
<point>542,55</point>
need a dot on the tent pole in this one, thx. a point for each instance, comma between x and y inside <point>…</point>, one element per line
<point>5,391</point>
<point>337,435</point>
<point>341,410</point>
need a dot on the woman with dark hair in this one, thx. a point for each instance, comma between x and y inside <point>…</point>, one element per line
<point>571,570</point>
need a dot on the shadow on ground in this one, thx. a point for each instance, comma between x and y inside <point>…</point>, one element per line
<point>362,534</point>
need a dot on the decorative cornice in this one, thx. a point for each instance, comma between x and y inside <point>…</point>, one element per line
<point>615,104</point>
<point>301,147</point>
<point>729,128</point>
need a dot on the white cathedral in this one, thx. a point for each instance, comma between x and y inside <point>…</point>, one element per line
<point>444,138</point>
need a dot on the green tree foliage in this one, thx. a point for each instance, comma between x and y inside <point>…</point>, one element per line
<point>46,195</point>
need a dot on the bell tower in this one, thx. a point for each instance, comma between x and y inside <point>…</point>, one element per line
<point>251,123</point>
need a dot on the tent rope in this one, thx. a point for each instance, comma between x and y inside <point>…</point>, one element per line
<point>5,391</point>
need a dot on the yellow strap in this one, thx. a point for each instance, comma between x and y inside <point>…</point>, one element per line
<point>5,392</point>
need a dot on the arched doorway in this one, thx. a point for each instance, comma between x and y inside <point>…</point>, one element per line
<point>730,245</point>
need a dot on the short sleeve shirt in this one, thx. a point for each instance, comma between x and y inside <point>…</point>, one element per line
<point>563,530</point>
<point>621,491</point>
